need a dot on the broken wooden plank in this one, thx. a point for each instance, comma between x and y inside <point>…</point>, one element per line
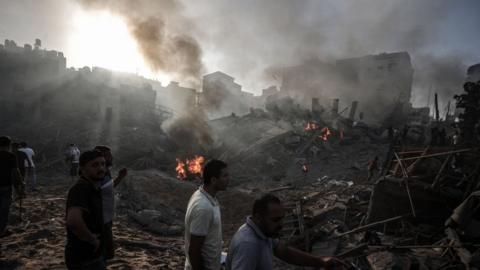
<point>368,226</point>
<point>405,174</point>
<point>439,174</point>
<point>440,154</point>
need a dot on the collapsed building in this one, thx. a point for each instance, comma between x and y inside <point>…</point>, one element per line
<point>377,82</point>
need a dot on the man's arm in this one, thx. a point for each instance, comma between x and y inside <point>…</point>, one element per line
<point>297,257</point>
<point>121,174</point>
<point>194,251</point>
<point>76,223</point>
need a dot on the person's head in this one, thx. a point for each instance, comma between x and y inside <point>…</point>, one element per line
<point>72,145</point>
<point>23,144</point>
<point>15,146</point>
<point>107,154</point>
<point>268,213</point>
<point>5,142</point>
<point>92,165</point>
<point>215,174</point>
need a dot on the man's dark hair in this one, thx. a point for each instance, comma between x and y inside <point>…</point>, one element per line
<point>15,145</point>
<point>213,168</point>
<point>5,141</point>
<point>23,144</point>
<point>102,148</point>
<point>89,155</point>
<point>260,206</point>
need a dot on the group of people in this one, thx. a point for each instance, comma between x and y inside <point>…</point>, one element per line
<point>90,211</point>
<point>89,235</point>
<point>253,245</point>
<point>16,166</point>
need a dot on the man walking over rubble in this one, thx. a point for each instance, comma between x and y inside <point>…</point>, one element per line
<point>254,244</point>
<point>9,176</point>
<point>22,159</point>
<point>108,199</point>
<point>31,176</point>
<point>203,225</point>
<point>84,215</point>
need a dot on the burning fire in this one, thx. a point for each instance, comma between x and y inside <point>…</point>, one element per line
<point>195,165</point>
<point>325,132</point>
<point>311,126</point>
<point>190,166</point>
<point>180,168</point>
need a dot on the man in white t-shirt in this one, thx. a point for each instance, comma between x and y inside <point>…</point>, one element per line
<point>72,158</point>
<point>30,175</point>
<point>203,222</point>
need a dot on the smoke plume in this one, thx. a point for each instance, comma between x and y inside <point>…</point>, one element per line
<point>159,29</point>
<point>247,38</point>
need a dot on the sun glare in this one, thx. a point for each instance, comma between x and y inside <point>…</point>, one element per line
<point>102,39</point>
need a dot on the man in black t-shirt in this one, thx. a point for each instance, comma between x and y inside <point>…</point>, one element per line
<point>84,217</point>
<point>22,159</point>
<point>9,176</point>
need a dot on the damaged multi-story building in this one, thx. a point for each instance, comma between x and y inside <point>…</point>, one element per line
<point>222,96</point>
<point>378,82</point>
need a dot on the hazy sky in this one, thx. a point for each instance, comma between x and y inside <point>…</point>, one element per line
<point>245,38</point>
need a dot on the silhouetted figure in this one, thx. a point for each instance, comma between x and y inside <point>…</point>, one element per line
<point>31,175</point>
<point>72,157</point>
<point>10,178</point>
<point>22,159</point>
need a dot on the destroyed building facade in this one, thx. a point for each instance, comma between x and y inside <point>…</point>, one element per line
<point>222,96</point>
<point>377,82</point>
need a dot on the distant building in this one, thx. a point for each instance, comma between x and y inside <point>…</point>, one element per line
<point>222,96</point>
<point>27,66</point>
<point>177,97</point>
<point>377,82</point>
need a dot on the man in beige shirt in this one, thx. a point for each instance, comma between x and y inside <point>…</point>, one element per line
<point>203,223</point>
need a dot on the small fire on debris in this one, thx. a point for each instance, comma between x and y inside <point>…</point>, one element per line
<point>180,169</point>
<point>325,132</point>
<point>311,126</point>
<point>191,166</point>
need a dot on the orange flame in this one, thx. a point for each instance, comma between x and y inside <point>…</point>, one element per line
<point>311,126</point>
<point>180,169</point>
<point>325,132</point>
<point>195,165</point>
<point>190,166</point>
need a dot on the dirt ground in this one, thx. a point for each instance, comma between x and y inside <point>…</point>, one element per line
<point>38,240</point>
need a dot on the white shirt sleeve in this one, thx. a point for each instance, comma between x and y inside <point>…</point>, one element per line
<point>200,221</point>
